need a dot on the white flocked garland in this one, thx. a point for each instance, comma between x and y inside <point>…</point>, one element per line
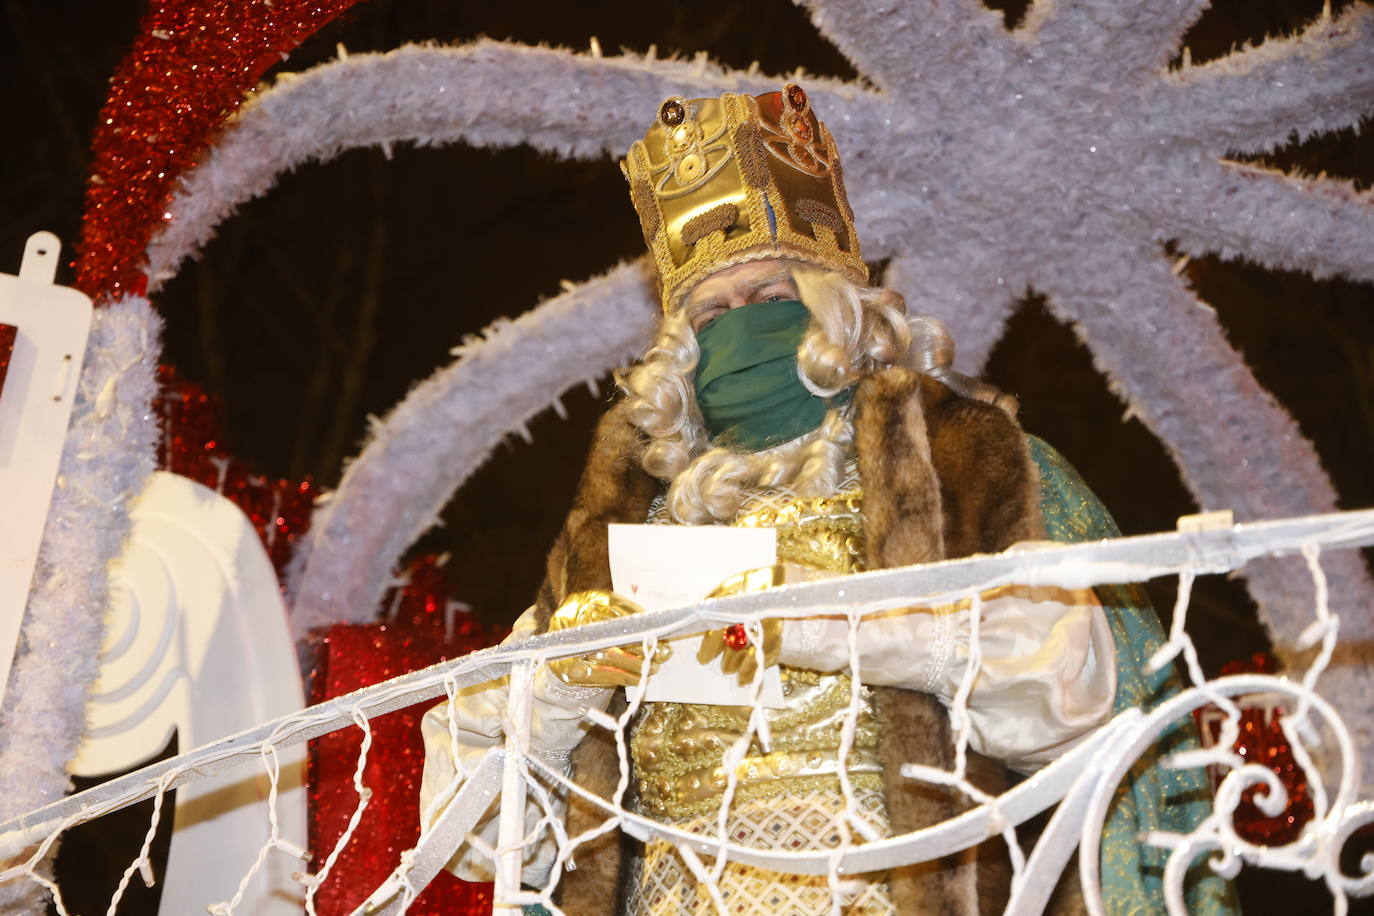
<point>108,456</point>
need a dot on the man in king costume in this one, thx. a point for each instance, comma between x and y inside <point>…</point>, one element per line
<point>782,390</point>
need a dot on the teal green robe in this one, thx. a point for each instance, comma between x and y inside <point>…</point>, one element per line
<point>1152,797</point>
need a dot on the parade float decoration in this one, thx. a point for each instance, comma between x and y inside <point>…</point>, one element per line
<point>1058,156</point>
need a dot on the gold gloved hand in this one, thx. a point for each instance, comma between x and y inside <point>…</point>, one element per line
<point>738,656</point>
<point>619,666</point>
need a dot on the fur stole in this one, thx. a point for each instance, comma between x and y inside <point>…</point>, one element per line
<point>944,476</point>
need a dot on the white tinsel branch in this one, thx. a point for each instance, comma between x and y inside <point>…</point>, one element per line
<point>1235,446</point>
<point>487,93</point>
<point>108,456</point>
<point>1251,101</point>
<point>1321,226</point>
<point>1097,44</point>
<point>445,429</point>
<point>893,45</point>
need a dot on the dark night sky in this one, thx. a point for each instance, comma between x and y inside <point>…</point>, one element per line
<point>280,320</point>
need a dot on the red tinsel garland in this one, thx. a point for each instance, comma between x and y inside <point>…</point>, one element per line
<point>190,67</point>
<point>425,626</point>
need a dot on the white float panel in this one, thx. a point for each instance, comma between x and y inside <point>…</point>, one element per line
<point>198,642</point>
<point>35,407</point>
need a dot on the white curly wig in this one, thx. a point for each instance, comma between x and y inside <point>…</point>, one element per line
<point>855,330</point>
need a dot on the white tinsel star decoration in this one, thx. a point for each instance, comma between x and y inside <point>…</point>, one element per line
<point>1058,158</point>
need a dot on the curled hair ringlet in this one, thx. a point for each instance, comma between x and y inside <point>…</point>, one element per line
<point>934,348</point>
<point>854,331</point>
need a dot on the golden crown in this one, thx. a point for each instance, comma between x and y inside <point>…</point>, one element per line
<point>718,182</point>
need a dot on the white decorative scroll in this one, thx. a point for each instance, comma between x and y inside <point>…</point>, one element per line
<point>35,408</point>
<point>198,644</point>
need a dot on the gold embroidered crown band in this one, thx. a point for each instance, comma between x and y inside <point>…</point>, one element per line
<point>718,182</point>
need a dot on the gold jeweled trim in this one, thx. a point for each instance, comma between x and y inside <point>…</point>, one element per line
<point>679,748</point>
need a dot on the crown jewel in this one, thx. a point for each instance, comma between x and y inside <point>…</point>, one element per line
<point>717,182</point>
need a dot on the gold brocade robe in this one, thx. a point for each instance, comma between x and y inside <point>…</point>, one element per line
<point>789,797</point>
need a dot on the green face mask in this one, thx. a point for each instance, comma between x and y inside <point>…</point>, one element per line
<point>746,382</point>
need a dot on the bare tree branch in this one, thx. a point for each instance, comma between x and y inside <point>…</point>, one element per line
<point>354,369</point>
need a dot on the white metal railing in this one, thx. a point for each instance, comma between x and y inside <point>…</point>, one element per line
<point>1082,782</point>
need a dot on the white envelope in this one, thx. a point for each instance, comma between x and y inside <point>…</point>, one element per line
<point>663,566</point>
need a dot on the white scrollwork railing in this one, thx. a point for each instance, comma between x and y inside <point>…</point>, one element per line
<point>1081,783</point>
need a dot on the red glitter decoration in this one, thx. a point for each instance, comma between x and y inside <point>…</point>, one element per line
<point>8,332</point>
<point>193,445</point>
<point>736,637</point>
<point>1261,740</point>
<point>189,69</point>
<point>425,628</point>
<point>1259,663</point>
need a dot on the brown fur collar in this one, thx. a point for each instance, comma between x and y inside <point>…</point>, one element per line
<point>944,477</point>
<point>613,489</point>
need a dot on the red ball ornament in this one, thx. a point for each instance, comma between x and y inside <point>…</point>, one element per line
<point>193,445</point>
<point>1261,740</point>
